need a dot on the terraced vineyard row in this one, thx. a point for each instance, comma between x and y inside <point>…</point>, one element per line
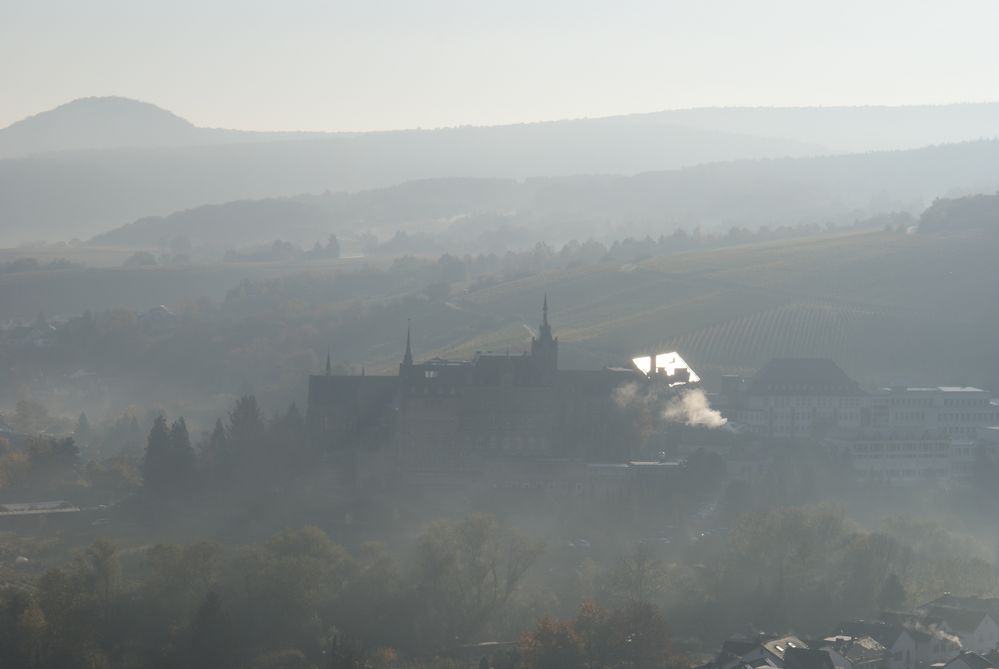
<point>797,329</point>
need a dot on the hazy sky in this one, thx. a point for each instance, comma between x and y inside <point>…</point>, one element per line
<point>376,64</point>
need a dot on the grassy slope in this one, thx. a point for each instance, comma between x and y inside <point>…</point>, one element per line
<point>888,306</point>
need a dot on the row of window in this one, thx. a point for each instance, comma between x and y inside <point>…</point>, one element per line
<point>907,446</point>
<point>900,456</point>
<point>981,418</point>
<point>812,401</point>
<point>973,402</point>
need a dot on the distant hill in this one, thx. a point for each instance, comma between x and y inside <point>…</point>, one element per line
<point>851,129</point>
<point>227,225</point>
<point>490,215</point>
<point>980,212</point>
<point>81,193</point>
<point>98,163</point>
<point>114,123</point>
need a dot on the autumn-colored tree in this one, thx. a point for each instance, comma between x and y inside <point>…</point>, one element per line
<point>469,569</point>
<point>552,644</point>
<point>31,626</point>
<point>632,637</point>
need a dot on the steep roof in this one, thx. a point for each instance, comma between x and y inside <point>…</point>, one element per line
<point>959,620</point>
<point>857,649</point>
<point>972,603</point>
<point>782,645</point>
<point>882,632</point>
<point>803,376</point>
<point>806,658</point>
<point>973,660</point>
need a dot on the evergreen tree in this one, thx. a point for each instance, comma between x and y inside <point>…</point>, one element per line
<point>246,422</point>
<point>83,433</point>
<point>293,420</point>
<point>182,458</point>
<point>156,463</point>
<point>212,642</point>
<point>215,450</point>
<point>333,247</point>
<point>169,463</point>
<point>342,654</point>
<point>892,595</point>
<point>65,452</point>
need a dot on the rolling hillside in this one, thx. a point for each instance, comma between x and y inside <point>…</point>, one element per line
<point>134,160</point>
<point>889,306</point>
<point>881,303</point>
<point>115,123</point>
<point>471,215</point>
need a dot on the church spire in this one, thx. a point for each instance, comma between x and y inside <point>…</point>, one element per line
<point>545,332</point>
<point>329,364</point>
<point>407,359</point>
<point>544,349</point>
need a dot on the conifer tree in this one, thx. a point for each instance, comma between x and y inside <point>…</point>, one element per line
<point>246,422</point>
<point>156,463</point>
<point>215,451</point>
<point>182,458</point>
<point>212,643</point>
<point>83,433</point>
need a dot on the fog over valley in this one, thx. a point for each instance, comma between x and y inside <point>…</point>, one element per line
<point>526,336</point>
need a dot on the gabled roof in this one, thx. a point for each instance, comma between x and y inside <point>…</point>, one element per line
<point>806,658</point>
<point>973,660</point>
<point>972,603</point>
<point>803,376</point>
<point>959,620</point>
<point>884,633</point>
<point>785,643</point>
<point>857,649</point>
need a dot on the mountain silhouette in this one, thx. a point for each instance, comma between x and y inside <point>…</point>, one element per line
<point>114,123</point>
<point>97,163</point>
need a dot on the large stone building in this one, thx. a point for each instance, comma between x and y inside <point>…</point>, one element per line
<point>794,398</point>
<point>440,413</point>
<point>919,433</point>
<point>898,434</point>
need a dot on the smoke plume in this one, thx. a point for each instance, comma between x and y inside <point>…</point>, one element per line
<point>935,631</point>
<point>692,408</point>
<point>688,407</point>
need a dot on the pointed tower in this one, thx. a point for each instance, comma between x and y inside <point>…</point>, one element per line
<point>544,349</point>
<point>329,364</point>
<point>407,359</point>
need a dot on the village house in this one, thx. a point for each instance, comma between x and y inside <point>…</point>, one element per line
<point>968,660</point>
<point>848,652</point>
<point>897,640</point>
<point>977,630</point>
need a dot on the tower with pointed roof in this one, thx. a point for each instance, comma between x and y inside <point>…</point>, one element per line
<point>407,359</point>
<point>544,349</point>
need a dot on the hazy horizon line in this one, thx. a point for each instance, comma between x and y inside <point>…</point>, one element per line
<point>508,123</point>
